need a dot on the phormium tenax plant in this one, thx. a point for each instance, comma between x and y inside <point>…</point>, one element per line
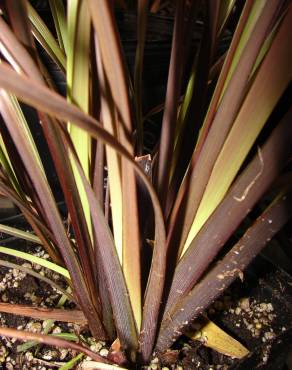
<point>141,256</point>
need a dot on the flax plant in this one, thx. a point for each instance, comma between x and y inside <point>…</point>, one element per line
<point>224,143</point>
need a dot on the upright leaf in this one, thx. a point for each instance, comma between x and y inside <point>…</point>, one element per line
<point>45,38</point>
<point>78,86</point>
<point>108,117</point>
<point>59,16</point>
<point>113,63</point>
<point>174,81</point>
<point>142,6</point>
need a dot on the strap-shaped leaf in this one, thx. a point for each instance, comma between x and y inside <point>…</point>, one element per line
<point>45,38</point>
<point>59,16</point>
<point>20,234</point>
<point>108,117</point>
<point>120,302</point>
<point>175,73</point>
<point>214,337</point>
<point>142,10</point>
<point>43,313</point>
<point>102,15</point>
<point>7,165</point>
<point>78,87</point>
<point>34,259</point>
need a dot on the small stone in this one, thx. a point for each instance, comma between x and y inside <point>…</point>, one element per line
<point>258,325</point>
<point>37,266</point>
<point>256,333</point>
<point>57,330</point>
<point>269,335</point>
<point>26,264</point>
<point>270,307</point>
<point>96,347</point>
<point>63,353</point>
<point>103,352</point>
<point>237,310</point>
<point>3,354</point>
<point>244,304</point>
<point>33,298</point>
<point>28,356</point>
<point>34,327</point>
<point>49,355</point>
<point>4,297</point>
<point>15,273</point>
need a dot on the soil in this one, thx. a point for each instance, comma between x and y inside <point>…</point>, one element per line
<point>257,312</point>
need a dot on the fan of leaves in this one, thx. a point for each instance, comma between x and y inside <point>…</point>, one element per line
<point>222,147</point>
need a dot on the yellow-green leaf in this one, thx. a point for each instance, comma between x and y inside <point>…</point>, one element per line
<point>78,87</point>
<point>33,259</point>
<point>214,337</point>
<point>45,38</point>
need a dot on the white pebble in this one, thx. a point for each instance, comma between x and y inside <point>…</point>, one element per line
<point>103,352</point>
